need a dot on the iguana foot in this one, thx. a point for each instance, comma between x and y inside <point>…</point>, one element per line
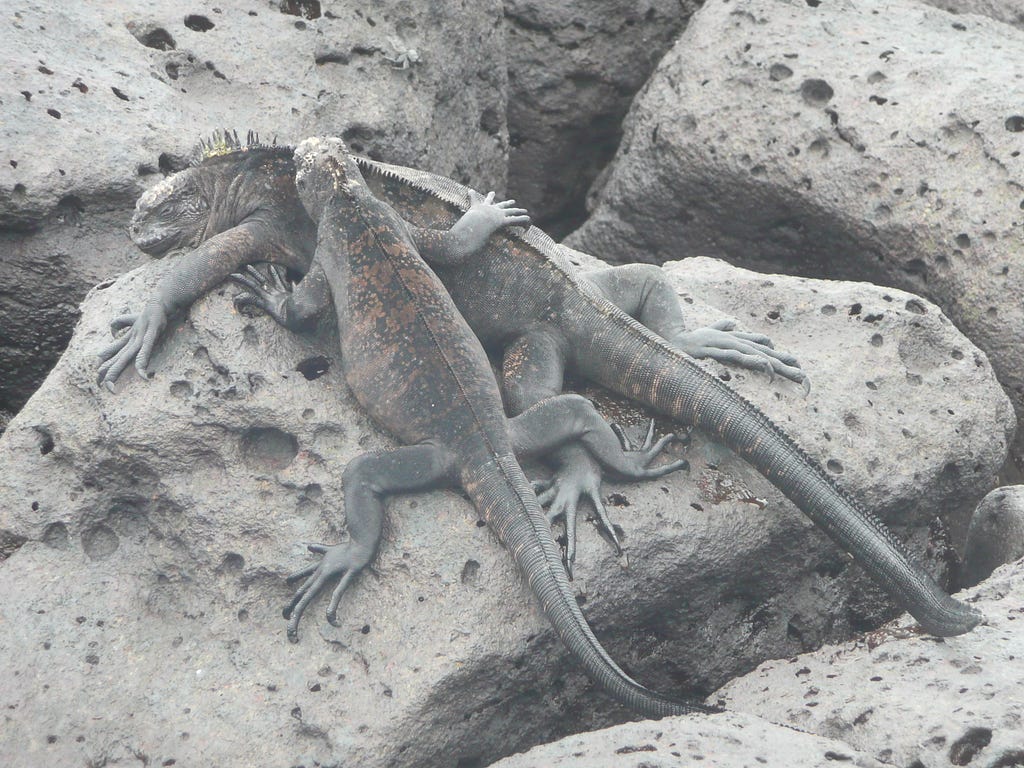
<point>753,351</point>
<point>493,216</point>
<point>575,480</point>
<point>135,345</point>
<point>266,292</point>
<point>648,451</point>
<point>345,560</point>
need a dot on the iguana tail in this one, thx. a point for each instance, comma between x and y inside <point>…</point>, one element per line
<point>672,383</point>
<point>631,360</point>
<point>502,494</point>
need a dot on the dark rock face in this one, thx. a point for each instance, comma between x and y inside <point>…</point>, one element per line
<point>97,123</point>
<point>573,71</point>
<point>771,137</point>
<point>145,537</point>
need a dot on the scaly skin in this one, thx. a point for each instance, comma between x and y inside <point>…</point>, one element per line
<point>415,365</point>
<point>520,295</point>
<point>239,205</point>
<point>521,281</point>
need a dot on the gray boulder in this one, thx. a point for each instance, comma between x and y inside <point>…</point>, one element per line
<point>574,68</point>
<point>906,699</point>
<point>863,140</point>
<point>113,96</point>
<point>996,533</point>
<point>145,537</point>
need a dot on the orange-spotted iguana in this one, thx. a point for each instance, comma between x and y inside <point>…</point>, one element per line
<point>519,295</point>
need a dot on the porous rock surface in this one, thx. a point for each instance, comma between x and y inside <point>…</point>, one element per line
<point>147,534</point>
<point>573,69</point>
<point>726,740</point>
<point>104,98</point>
<point>879,140</point>
<point>996,533</point>
<point>908,699</point>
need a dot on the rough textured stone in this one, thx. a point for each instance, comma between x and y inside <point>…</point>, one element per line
<point>1007,11</point>
<point>876,140</point>
<point>114,94</point>
<point>996,533</point>
<point>906,699</point>
<point>573,71</point>
<point>145,537</point>
<point>727,740</point>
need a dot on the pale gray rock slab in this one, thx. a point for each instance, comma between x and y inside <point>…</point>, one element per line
<point>996,533</point>
<point>574,68</point>
<point>906,699</point>
<point>103,99</point>
<point>146,534</point>
<point>877,140</point>
<point>726,740</point>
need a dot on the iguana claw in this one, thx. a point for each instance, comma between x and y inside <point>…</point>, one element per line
<point>265,292</point>
<point>579,477</point>
<point>754,351</point>
<point>346,560</point>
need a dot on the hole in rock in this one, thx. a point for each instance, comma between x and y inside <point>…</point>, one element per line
<point>816,92</point>
<point>313,367</point>
<point>470,571</point>
<point>268,448</point>
<point>46,443</point>
<point>307,9</point>
<point>99,542</point>
<point>198,23</point>
<point>158,38</point>
<point>967,747</point>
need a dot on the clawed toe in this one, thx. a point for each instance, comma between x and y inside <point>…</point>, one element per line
<point>345,560</point>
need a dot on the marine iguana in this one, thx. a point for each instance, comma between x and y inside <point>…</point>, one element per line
<point>414,364</point>
<point>237,204</point>
<point>519,294</point>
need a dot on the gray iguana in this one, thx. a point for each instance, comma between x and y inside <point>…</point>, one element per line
<point>237,204</point>
<point>416,367</point>
<point>520,295</point>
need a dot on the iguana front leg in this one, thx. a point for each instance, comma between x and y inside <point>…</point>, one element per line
<point>470,233</point>
<point>296,307</point>
<point>643,292</point>
<point>196,273</point>
<point>368,480</point>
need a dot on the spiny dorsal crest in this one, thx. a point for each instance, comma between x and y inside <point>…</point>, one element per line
<point>226,142</point>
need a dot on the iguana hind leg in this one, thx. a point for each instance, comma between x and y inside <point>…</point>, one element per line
<point>532,374</point>
<point>368,480</point>
<point>558,420</point>
<point>643,292</point>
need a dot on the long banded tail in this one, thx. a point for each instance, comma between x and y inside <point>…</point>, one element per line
<point>671,382</point>
<point>635,362</point>
<point>501,493</point>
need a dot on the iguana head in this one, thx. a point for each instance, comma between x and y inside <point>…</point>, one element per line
<point>177,212</point>
<point>172,214</point>
<point>323,170</point>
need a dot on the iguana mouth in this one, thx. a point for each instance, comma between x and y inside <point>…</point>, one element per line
<point>155,244</point>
